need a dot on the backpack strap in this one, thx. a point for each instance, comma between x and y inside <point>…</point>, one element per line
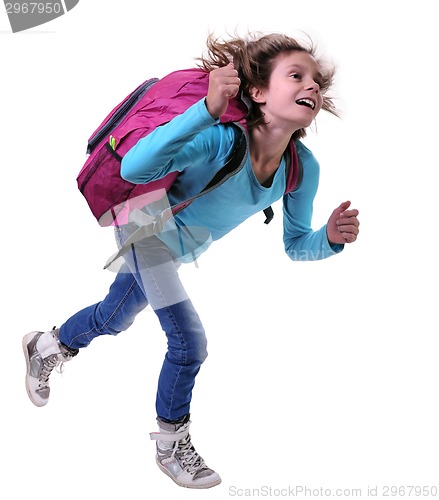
<point>295,169</point>
<point>269,214</point>
<point>233,165</point>
<point>152,226</point>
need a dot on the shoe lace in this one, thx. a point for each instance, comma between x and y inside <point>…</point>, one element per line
<point>190,460</point>
<point>60,367</point>
<point>47,367</point>
<point>61,364</point>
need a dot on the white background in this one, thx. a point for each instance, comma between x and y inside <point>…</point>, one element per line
<point>321,374</point>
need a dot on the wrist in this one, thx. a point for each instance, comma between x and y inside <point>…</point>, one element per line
<point>213,115</point>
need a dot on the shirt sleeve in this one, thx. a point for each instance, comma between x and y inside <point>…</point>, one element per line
<point>173,147</point>
<point>301,242</point>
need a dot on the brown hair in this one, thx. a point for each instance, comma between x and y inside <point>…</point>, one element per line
<point>253,58</point>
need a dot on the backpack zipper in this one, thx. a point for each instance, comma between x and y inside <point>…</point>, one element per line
<point>119,114</point>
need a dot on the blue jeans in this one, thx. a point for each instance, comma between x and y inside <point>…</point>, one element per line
<point>149,275</point>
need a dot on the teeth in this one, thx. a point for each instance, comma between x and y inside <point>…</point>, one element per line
<point>306,102</point>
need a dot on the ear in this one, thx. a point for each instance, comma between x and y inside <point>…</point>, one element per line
<point>257,95</point>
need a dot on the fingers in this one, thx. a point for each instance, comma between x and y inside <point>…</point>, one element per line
<point>224,84</point>
<point>227,79</point>
<point>349,213</point>
<point>349,237</point>
<point>348,227</point>
<point>348,217</point>
<point>347,223</point>
<point>231,81</point>
<point>343,206</point>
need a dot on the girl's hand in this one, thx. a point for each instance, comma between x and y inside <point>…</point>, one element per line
<point>223,85</point>
<point>343,225</point>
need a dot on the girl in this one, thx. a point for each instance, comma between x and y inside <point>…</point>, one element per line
<point>286,86</point>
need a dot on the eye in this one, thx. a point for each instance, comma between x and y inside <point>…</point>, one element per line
<point>296,76</point>
<point>323,84</point>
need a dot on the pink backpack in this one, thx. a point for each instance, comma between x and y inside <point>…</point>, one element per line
<point>154,103</point>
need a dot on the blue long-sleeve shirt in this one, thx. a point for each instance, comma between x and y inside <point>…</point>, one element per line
<point>197,146</point>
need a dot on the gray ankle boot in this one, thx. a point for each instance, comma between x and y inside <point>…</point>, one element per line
<point>177,458</point>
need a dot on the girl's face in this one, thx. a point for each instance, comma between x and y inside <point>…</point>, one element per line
<point>293,97</point>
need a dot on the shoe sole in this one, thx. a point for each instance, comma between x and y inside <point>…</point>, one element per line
<point>192,487</point>
<point>26,356</point>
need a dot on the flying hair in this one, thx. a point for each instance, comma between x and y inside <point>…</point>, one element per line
<point>253,56</point>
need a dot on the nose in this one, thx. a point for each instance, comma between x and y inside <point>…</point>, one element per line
<point>312,86</point>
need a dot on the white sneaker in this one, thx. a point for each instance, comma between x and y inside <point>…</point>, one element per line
<point>177,458</point>
<point>43,352</point>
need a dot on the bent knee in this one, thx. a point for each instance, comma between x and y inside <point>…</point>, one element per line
<point>188,352</point>
<point>202,352</point>
<point>196,354</point>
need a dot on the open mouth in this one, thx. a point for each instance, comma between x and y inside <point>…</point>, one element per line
<point>306,102</point>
